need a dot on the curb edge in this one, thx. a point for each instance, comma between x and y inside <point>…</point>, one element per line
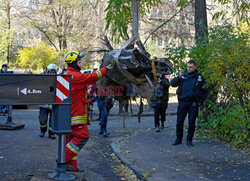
<point>138,171</point>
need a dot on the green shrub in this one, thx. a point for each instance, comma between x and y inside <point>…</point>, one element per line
<point>37,57</point>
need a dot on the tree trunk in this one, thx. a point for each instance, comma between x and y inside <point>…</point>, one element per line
<point>64,47</point>
<point>64,42</point>
<point>201,28</point>
<point>237,16</point>
<point>60,42</point>
<point>61,62</point>
<point>135,15</point>
<point>8,36</point>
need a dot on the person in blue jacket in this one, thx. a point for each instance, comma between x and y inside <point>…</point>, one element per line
<point>191,94</point>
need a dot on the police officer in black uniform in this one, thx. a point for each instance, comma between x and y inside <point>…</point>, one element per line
<point>191,94</point>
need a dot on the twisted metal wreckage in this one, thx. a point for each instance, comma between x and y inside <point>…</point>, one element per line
<point>135,71</point>
<point>133,67</point>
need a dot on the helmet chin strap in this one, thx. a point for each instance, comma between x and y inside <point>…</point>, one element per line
<point>75,66</point>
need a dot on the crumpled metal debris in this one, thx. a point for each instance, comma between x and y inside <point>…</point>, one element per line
<point>132,66</point>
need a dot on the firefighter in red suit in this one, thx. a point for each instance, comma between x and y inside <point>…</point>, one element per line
<point>79,107</point>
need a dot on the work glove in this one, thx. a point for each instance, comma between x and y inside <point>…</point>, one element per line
<point>111,65</point>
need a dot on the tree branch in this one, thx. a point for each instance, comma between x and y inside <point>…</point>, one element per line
<point>98,51</point>
<point>165,23</point>
<point>107,42</point>
<point>47,36</point>
<point>41,30</point>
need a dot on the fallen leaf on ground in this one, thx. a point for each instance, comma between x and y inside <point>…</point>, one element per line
<point>145,175</point>
<point>218,168</point>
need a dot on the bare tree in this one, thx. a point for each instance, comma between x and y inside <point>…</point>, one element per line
<point>6,28</point>
<point>58,20</point>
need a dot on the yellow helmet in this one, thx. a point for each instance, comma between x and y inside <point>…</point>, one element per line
<point>72,56</point>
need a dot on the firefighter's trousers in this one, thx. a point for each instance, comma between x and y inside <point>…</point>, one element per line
<point>75,142</point>
<point>44,114</point>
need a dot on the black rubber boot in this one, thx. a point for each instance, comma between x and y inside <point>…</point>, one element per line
<point>52,136</point>
<point>177,142</point>
<point>101,130</point>
<point>105,133</point>
<point>162,125</point>
<point>42,134</point>
<point>70,168</point>
<point>189,143</point>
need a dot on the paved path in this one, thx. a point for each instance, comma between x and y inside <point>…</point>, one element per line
<point>24,154</point>
<point>152,154</point>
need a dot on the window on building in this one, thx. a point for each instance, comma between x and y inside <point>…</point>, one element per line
<point>160,42</point>
<point>157,13</point>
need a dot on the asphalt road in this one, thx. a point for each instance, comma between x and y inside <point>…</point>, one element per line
<point>24,154</point>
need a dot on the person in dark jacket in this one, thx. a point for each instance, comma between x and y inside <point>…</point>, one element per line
<point>45,111</point>
<point>4,108</point>
<point>159,102</point>
<point>191,94</point>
